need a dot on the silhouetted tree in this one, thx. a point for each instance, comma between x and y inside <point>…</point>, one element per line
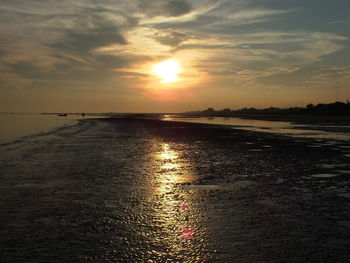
<point>336,108</point>
<point>310,106</point>
<point>209,111</point>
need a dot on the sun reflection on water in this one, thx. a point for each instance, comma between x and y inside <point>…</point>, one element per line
<point>173,206</point>
<point>167,154</point>
<point>169,166</point>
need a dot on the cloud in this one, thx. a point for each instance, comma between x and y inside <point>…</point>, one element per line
<point>177,7</point>
<point>162,20</point>
<point>270,47</point>
<point>89,39</point>
<point>341,21</point>
<point>248,16</point>
<point>112,43</point>
<point>307,77</point>
<point>165,8</point>
<point>171,38</point>
<point>57,43</point>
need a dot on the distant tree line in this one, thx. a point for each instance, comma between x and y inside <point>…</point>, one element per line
<point>336,108</point>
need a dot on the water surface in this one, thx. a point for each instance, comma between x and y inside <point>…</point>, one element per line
<point>16,125</point>
<point>279,127</point>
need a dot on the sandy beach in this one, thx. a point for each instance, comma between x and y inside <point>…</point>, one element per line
<point>128,190</point>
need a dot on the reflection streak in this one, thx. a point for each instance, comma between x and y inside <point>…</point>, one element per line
<point>174,210</point>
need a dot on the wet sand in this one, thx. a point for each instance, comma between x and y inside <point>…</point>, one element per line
<point>125,190</point>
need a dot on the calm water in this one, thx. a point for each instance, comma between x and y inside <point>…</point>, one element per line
<point>13,126</point>
<point>281,127</point>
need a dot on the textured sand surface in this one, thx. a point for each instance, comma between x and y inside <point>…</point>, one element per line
<point>137,190</point>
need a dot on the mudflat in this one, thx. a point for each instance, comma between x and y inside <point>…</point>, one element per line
<point>129,190</point>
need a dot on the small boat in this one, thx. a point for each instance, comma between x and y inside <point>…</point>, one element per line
<point>62,115</point>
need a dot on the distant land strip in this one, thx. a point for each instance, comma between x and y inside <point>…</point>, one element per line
<point>336,108</point>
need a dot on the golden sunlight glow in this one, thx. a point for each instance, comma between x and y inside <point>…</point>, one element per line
<point>167,154</point>
<point>173,209</point>
<point>167,70</point>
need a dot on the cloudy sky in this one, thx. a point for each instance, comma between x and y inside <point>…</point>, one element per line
<point>99,55</point>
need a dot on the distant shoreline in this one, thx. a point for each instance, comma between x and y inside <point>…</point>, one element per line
<point>299,119</point>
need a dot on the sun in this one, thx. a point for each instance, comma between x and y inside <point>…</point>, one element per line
<point>167,70</point>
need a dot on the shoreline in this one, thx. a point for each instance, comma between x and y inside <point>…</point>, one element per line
<point>329,124</point>
<point>297,119</point>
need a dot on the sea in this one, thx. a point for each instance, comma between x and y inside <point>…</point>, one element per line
<point>322,131</point>
<point>16,125</point>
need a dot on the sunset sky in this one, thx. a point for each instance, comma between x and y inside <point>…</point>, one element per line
<point>102,55</point>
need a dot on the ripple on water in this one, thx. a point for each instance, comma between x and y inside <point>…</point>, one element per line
<point>332,142</point>
<point>213,187</point>
<point>344,146</point>
<point>346,195</point>
<point>323,175</point>
<point>333,166</point>
<point>255,150</point>
<point>345,223</point>
<point>344,171</point>
<point>316,145</point>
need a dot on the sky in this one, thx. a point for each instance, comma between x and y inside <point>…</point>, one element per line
<point>100,55</point>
